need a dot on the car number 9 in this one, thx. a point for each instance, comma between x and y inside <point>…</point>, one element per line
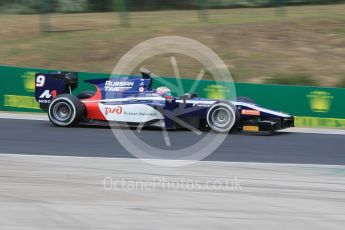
<point>40,80</point>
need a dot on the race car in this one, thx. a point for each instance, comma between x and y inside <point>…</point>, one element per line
<point>131,101</point>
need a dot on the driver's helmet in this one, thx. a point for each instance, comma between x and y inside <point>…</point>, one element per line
<point>164,91</point>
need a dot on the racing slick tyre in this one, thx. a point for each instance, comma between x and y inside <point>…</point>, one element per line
<point>66,110</point>
<point>247,100</point>
<point>222,116</point>
<point>86,95</point>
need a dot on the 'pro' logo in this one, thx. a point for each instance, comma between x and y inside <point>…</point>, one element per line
<point>320,101</point>
<point>29,81</point>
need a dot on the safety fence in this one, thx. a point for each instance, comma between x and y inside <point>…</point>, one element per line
<point>312,106</point>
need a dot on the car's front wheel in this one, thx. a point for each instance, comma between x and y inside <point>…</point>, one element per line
<point>222,117</point>
<point>66,110</point>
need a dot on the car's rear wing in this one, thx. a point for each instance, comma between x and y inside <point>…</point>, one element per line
<point>49,85</point>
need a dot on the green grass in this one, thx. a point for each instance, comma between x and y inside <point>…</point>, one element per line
<point>341,83</point>
<point>254,43</point>
<point>291,79</point>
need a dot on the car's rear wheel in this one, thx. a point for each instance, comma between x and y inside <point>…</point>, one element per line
<point>85,95</point>
<point>222,117</point>
<point>66,110</point>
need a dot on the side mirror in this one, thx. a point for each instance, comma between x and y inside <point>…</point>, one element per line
<point>188,96</point>
<point>193,95</point>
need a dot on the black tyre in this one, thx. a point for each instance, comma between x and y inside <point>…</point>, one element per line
<point>247,100</point>
<point>66,110</point>
<point>222,117</point>
<point>86,95</point>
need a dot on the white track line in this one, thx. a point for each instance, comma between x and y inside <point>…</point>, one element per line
<point>44,117</point>
<point>24,116</point>
<point>166,162</point>
<point>72,193</point>
<point>314,131</point>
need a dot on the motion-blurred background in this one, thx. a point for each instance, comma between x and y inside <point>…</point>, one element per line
<point>300,42</point>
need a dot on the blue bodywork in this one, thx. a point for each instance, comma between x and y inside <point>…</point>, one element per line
<point>136,90</point>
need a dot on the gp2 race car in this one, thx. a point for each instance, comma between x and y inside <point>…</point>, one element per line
<point>132,101</point>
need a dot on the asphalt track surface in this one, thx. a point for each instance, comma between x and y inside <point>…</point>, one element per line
<point>41,138</point>
<point>48,192</point>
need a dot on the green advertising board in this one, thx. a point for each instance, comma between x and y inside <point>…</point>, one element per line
<point>312,106</point>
